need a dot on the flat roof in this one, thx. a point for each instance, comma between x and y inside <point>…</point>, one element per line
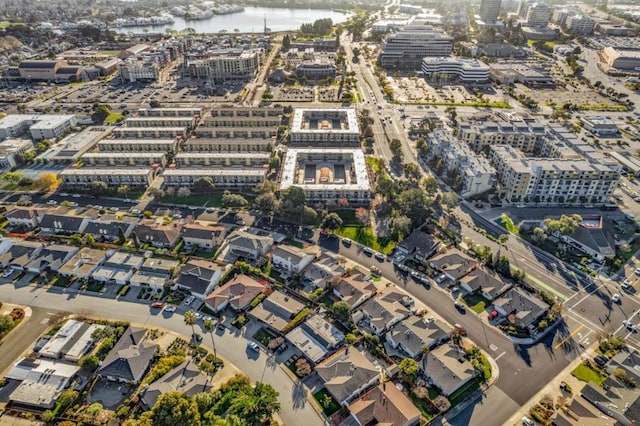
<point>50,121</point>
<point>349,114</point>
<point>84,171</point>
<point>215,172</point>
<point>248,155</point>
<point>44,383</point>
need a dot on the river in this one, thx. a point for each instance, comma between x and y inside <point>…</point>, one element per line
<point>251,20</point>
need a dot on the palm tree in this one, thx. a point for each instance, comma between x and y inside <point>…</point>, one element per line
<point>209,327</point>
<point>190,319</point>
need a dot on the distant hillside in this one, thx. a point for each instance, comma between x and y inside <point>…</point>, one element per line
<point>9,43</point>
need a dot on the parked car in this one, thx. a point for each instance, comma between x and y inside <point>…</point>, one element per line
<point>253,346</point>
<point>346,242</point>
<point>379,257</point>
<point>170,308</point>
<point>492,315</point>
<point>601,360</point>
<point>631,327</point>
<point>157,305</point>
<point>367,251</point>
<point>189,300</point>
<point>459,306</point>
<point>616,298</point>
<point>52,202</point>
<point>196,338</point>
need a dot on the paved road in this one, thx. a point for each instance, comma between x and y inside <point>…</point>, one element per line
<point>259,367</point>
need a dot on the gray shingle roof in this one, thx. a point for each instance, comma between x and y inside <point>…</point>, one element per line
<point>130,356</point>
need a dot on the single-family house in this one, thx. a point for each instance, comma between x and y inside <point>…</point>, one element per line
<point>415,333</point>
<point>237,294</point>
<point>186,378</point>
<point>615,399</point>
<point>63,221</point>
<point>248,245</point>
<point>110,227</point>
<point>154,273</point>
<point>51,258</point>
<point>354,289</point>
<point>447,368</point>
<point>71,342</point>
<point>130,357</point>
<point>20,253</point>
<point>419,244</point>
<point>487,283</point>
<point>24,217</point>
<point>453,265</point>
<point>521,309</point>
<point>324,269</point>
<point>203,236</point>
<point>316,338</point>
<point>347,374</point>
<point>198,277</point>
<point>290,260</point>
<point>158,234</point>
<point>383,405</point>
<point>42,381</point>
<point>118,269</point>
<point>385,309</point>
<point>83,263</point>
<point>277,310</point>
<point>627,360</point>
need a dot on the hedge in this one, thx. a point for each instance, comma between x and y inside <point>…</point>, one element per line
<point>124,290</point>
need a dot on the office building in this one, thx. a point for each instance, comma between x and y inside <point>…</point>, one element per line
<point>407,47</point>
<point>43,126</point>
<point>580,24</point>
<point>464,70</point>
<point>225,65</point>
<point>489,11</point>
<point>538,15</point>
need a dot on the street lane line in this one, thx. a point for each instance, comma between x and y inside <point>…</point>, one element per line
<point>585,297</point>
<point>499,356</point>
<point>568,337</point>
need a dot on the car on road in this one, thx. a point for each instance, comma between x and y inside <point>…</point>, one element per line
<point>616,298</point>
<point>170,308</point>
<point>189,300</point>
<point>52,203</point>
<point>209,210</point>
<point>637,271</point>
<point>76,195</point>
<point>379,257</point>
<point>157,305</point>
<point>459,306</point>
<point>629,326</point>
<point>626,285</point>
<point>601,360</point>
<point>367,251</point>
<point>253,346</point>
<point>177,216</point>
<point>346,242</point>
<point>526,421</point>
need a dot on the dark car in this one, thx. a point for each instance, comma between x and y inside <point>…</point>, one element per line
<point>459,306</point>
<point>601,360</point>
<point>196,338</point>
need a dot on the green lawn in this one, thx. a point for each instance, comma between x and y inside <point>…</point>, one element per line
<point>205,254</point>
<point>7,24</point>
<point>476,303</point>
<point>348,217</point>
<point>506,222</point>
<point>192,200</point>
<point>364,235</point>
<point>331,408</point>
<point>113,118</point>
<point>375,164</point>
<point>263,336</point>
<point>466,390</point>
<point>588,374</point>
<point>422,405</point>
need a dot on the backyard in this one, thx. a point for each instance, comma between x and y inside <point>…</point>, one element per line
<point>588,374</point>
<point>476,303</point>
<point>326,401</point>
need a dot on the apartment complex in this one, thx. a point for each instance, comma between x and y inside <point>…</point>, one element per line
<point>553,180</point>
<point>407,47</point>
<point>477,175</point>
<point>134,177</point>
<point>45,126</point>
<point>480,135</point>
<point>223,65</point>
<point>465,70</point>
<point>328,127</point>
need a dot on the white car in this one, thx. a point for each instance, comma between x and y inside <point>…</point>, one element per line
<point>170,308</point>
<point>631,327</point>
<point>177,216</point>
<point>637,271</point>
<point>626,285</point>
<point>7,273</point>
<point>64,194</point>
<point>615,298</point>
<point>52,203</point>
<point>76,195</point>
<point>73,204</point>
<point>254,346</point>
<point>189,300</point>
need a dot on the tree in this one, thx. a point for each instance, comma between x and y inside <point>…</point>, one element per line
<point>400,227</point>
<point>409,367</point>
<point>234,200</point>
<point>414,204</point>
<point>503,266</point>
<point>6,324</point>
<point>412,171</point>
<point>449,200</point>
<point>485,255</point>
<point>204,185</point>
<point>156,193</point>
<point>90,362</point>
<point>341,310</point>
<point>46,181</point>
<point>191,319</point>
<point>94,409</point>
<point>209,327</point>
<point>154,103</point>
<point>396,149</point>
<point>302,367</point>
<point>175,408</point>
<point>362,216</point>
<point>422,146</point>
<point>267,186</point>
<point>538,235</point>
<point>266,203</point>
<point>97,187</point>
<point>292,202</point>
<point>442,403</point>
<point>47,416</point>
<point>13,177</point>
<point>100,113</point>
<point>565,225</point>
<point>430,185</point>
<point>121,237</point>
<point>123,190</point>
<point>309,215</point>
<point>332,221</point>
<point>24,200</point>
<point>66,398</point>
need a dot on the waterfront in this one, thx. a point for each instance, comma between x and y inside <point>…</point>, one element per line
<point>251,20</point>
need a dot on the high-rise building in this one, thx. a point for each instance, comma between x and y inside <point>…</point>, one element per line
<point>538,15</point>
<point>580,24</point>
<point>489,11</point>
<point>407,47</point>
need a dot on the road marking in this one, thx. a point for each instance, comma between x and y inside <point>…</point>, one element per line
<point>493,347</point>
<point>585,297</point>
<point>568,337</point>
<point>546,286</point>
<point>499,356</point>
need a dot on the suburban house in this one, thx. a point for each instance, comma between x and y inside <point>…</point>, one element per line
<point>627,360</point>
<point>383,405</point>
<point>130,357</point>
<point>447,368</point>
<point>64,223</point>
<point>154,273</point>
<point>83,263</point>
<point>487,283</point>
<point>42,381</point>
<point>324,269</point>
<point>249,246</point>
<point>71,342</point>
<point>277,310</point>
<point>521,309</point>
<point>118,269</point>
<point>24,217</point>
<point>20,253</point>
<point>416,333</point>
<point>199,277</point>
<point>158,234</point>
<point>347,373</point>
<point>203,236</point>
<point>453,265</point>
<point>354,290</point>
<point>290,259</point>
<point>237,294</point>
<point>315,338</point>
<point>385,309</point>
<point>109,227</point>
<point>186,378</point>
<point>419,244</point>
<point>51,258</point>
<point>615,399</point>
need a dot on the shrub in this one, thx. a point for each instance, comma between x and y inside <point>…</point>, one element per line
<point>442,403</point>
<point>302,367</point>
<point>124,290</point>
